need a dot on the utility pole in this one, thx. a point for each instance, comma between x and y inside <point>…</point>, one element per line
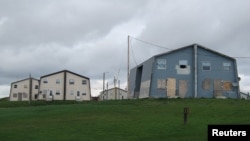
<point>104,83</point>
<point>119,89</point>
<point>128,66</point>
<point>115,88</point>
<point>30,88</point>
<point>107,90</point>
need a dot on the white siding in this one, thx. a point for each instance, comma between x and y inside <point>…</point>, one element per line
<point>74,89</point>
<point>80,91</point>
<point>52,86</point>
<point>20,91</point>
<point>113,94</point>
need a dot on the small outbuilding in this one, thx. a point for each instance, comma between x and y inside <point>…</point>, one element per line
<point>113,94</point>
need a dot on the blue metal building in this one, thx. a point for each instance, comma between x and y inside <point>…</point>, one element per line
<point>192,71</point>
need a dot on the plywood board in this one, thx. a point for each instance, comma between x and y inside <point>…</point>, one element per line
<point>218,88</point>
<point>171,87</point>
<point>218,84</point>
<point>227,86</point>
<point>144,90</point>
<point>161,84</point>
<point>183,88</point>
<point>206,84</point>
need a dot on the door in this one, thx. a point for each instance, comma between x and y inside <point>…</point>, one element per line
<point>183,88</point>
<point>20,96</point>
<point>218,88</point>
<point>171,87</point>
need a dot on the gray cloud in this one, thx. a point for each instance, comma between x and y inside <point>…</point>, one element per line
<point>90,37</point>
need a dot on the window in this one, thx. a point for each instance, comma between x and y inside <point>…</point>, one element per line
<point>226,66</point>
<point>14,95</point>
<point>183,64</point>
<point>161,84</point>
<point>15,86</point>
<point>71,81</point>
<point>36,87</point>
<point>83,93</point>
<point>45,80</point>
<point>161,63</point>
<point>57,92</point>
<point>206,66</point>
<point>51,93</point>
<point>78,93</point>
<point>84,82</point>
<point>57,81</point>
<point>25,95</point>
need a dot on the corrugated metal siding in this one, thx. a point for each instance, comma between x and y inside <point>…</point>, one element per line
<point>132,82</point>
<point>176,78</point>
<point>171,72</point>
<point>217,75</point>
<point>146,78</point>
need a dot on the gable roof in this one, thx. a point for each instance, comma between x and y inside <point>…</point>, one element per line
<point>178,49</point>
<point>65,71</point>
<point>25,80</point>
<point>198,46</point>
<point>115,88</point>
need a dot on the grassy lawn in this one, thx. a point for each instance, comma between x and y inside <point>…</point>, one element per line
<point>129,120</point>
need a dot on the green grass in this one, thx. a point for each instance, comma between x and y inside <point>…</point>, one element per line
<point>129,120</point>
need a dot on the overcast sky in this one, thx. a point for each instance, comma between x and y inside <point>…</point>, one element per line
<point>40,37</point>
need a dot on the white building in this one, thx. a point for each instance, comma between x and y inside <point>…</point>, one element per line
<point>24,90</point>
<point>64,85</point>
<point>113,94</point>
<point>244,95</point>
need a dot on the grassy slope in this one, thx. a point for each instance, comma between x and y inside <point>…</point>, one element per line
<point>131,120</point>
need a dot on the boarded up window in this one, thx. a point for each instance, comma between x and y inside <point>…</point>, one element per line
<point>183,68</point>
<point>183,64</point>
<point>15,95</point>
<point>227,86</point>
<point>206,84</point>
<point>161,84</point>
<point>25,95</point>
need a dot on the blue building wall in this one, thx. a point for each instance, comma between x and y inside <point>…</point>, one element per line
<point>173,74</point>
<point>217,74</point>
<point>172,63</point>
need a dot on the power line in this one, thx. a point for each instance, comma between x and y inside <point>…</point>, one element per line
<point>151,43</point>
<point>159,46</point>
<point>132,51</point>
<point>242,57</point>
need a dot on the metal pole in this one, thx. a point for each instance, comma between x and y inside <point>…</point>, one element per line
<point>107,90</point>
<point>103,83</point>
<point>119,89</point>
<point>128,67</point>
<point>195,71</point>
<point>30,88</point>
